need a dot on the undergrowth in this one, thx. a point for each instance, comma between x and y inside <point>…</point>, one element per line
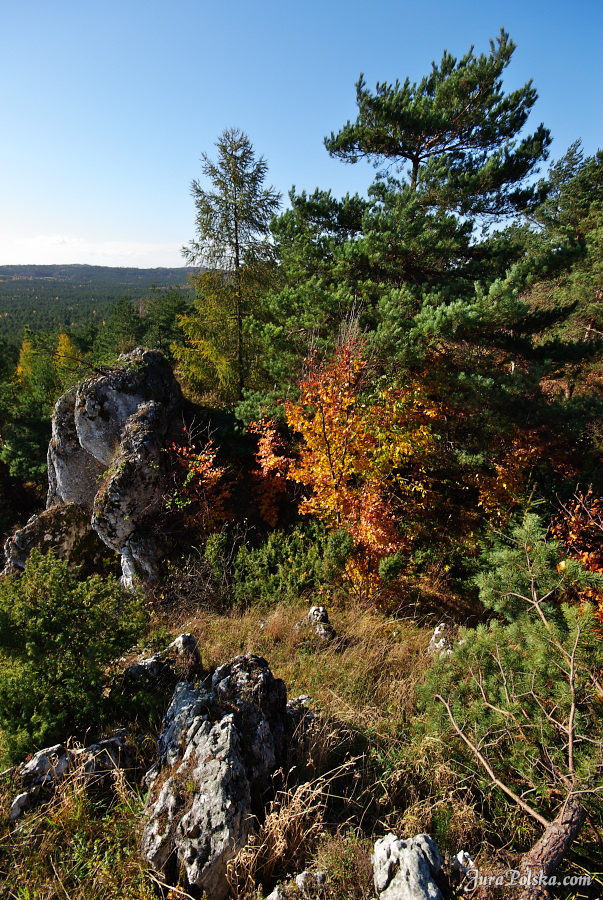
<point>363,767</point>
<point>83,844</point>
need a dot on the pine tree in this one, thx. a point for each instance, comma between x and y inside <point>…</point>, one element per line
<point>232,226</point>
<point>455,133</point>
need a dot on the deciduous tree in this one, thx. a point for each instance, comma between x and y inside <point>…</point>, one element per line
<point>232,226</point>
<point>362,442</point>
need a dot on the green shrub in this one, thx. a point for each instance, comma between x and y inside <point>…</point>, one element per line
<point>284,568</point>
<point>57,639</point>
<point>520,701</point>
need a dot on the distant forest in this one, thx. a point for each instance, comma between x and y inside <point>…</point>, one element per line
<point>50,297</point>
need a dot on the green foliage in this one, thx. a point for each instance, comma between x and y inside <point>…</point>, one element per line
<point>26,404</point>
<point>232,225</point>
<point>284,568</point>
<point>77,297</point>
<point>524,570</point>
<point>83,842</point>
<point>57,638</point>
<point>522,700</point>
<point>122,333</point>
<point>454,130</point>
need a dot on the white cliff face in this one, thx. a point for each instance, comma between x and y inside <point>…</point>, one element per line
<point>105,453</point>
<point>73,473</point>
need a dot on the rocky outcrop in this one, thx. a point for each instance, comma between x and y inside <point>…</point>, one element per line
<point>217,749</point>
<point>66,530</point>
<point>48,766</point>
<point>105,458</point>
<point>407,870</point>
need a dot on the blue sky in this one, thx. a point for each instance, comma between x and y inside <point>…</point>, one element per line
<point>107,107</point>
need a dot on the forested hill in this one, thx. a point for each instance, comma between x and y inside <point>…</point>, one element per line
<point>47,297</point>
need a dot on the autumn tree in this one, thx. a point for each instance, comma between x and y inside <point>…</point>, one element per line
<point>362,439</point>
<point>232,247</point>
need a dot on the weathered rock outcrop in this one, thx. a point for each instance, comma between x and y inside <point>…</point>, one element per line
<point>105,457</point>
<point>48,766</point>
<point>407,870</point>
<point>217,749</point>
<point>66,530</point>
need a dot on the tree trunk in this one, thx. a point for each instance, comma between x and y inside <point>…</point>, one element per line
<point>547,853</point>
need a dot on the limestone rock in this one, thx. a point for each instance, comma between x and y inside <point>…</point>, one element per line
<point>183,652</point>
<point>217,747</point>
<point>406,870</point>
<point>442,640</point>
<point>311,884</point>
<point>300,717</point>
<point>48,766</point>
<point>73,473</point>
<point>247,687</point>
<point>105,458</point>
<point>66,530</point>
<point>104,403</point>
<point>277,894</point>
<point>318,619</point>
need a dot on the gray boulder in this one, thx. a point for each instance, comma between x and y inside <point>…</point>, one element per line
<point>217,749</point>
<point>65,529</point>
<point>406,870</point>
<point>105,458</point>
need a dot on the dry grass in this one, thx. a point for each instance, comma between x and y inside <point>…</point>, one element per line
<point>366,674</point>
<point>80,845</point>
<point>285,841</point>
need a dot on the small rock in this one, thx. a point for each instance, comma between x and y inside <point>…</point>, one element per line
<point>310,884</point>
<point>277,894</point>
<point>43,765</point>
<point>19,804</point>
<point>442,641</point>
<point>158,665</point>
<point>48,766</point>
<point>406,869</point>
<point>462,863</point>
<point>317,618</point>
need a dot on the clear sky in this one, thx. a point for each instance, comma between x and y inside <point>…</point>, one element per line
<point>107,107</point>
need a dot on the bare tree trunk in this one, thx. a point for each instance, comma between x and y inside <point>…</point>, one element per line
<point>547,853</point>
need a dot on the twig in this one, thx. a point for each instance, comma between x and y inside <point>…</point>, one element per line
<point>169,887</point>
<point>488,768</point>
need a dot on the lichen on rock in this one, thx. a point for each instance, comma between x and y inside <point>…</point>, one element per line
<point>105,457</point>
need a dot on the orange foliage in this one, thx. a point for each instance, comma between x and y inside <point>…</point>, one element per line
<point>202,491</point>
<point>361,440</point>
<point>270,480</point>
<point>579,527</point>
<point>500,492</point>
<point>514,463</point>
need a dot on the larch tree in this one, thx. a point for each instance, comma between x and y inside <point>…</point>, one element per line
<point>233,249</point>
